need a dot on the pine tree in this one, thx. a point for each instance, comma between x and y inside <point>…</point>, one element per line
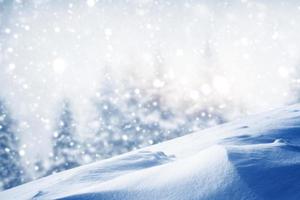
<point>39,169</point>
<point>107,140</point>
<point>66,152</point>
<point>11,172</point>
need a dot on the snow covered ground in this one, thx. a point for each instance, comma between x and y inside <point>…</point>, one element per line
<point>253,158</point>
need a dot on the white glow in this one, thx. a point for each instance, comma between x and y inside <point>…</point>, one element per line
<point>221,84</point>
<point>91,3</point>
<point>22,153</point>
<point>57,29</point>
<point>11,67</point>
<point>283,72</point>
<point>59,65</point>
<point>158,83</point>
<point>194,95</point>
<point>206,89</point>
<point>108,32</point>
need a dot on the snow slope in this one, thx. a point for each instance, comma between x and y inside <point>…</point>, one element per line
<point>253,158</point>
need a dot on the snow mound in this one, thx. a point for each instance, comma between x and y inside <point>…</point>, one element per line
<point>253,158</point>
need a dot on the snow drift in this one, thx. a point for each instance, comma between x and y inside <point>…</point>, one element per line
<point>252,158</point>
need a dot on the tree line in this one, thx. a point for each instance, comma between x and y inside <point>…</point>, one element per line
<point>120,126</point>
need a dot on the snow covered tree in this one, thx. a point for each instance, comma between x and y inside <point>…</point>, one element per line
<point>65,146</point>
<point>39,169</point>
<point>132,115</point>
<point>11,172</point>
<point>107,138</point>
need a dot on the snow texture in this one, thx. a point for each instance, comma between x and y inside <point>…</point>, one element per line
<point>252,158</point>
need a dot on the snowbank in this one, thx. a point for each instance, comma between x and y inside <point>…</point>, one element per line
<point>253,158</point>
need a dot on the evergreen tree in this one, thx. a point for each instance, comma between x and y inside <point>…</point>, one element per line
<point>131,115</point>
<point>107,138</point>
<point>66,152</point>
<point>39,169</point>
<point>11,172</point>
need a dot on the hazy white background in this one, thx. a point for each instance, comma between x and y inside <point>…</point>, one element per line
<point>239,57</point>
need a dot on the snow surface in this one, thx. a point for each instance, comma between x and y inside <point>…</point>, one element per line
<point>252,158</point>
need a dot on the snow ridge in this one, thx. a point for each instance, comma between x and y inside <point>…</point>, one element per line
<point>252,158</point>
